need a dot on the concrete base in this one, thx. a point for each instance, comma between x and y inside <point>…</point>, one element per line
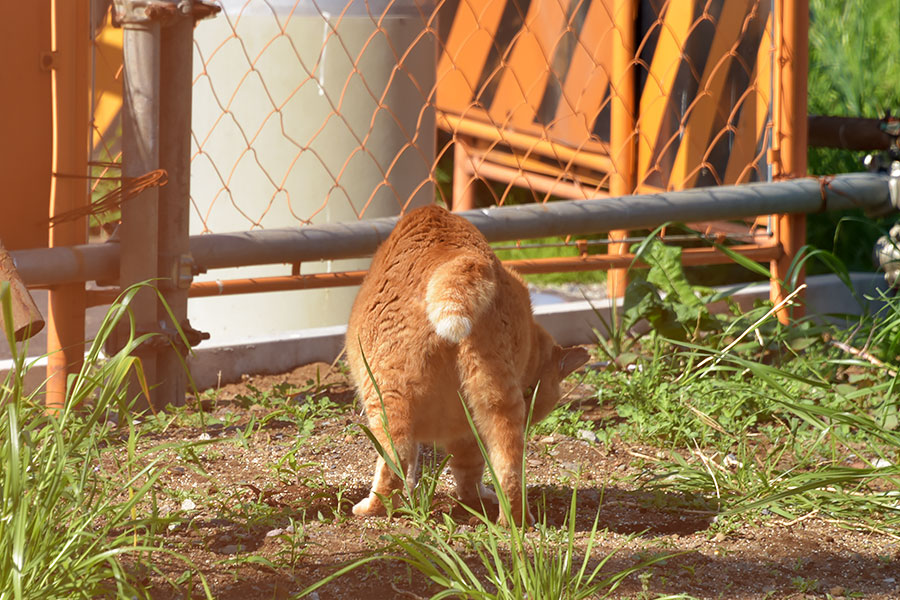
<point>569,322</point>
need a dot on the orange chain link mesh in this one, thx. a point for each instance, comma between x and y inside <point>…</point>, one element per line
<point>307,111</point>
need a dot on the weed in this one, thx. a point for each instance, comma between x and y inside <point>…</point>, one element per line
<point>563,420</point>
<point>69,503</point>
<point>805,585</point>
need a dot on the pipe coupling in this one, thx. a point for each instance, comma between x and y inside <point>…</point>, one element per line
<point>887,254</point>
<point>131,12</point>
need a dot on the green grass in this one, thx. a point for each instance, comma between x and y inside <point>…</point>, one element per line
<point>72,523</point>
<point>792,419</point>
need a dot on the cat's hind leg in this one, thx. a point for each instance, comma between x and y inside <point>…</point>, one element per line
<point>390,424</point>
<point>498,409</point>
<point>467,466</point>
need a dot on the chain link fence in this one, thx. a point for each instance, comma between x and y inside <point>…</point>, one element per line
<point>329,111</point>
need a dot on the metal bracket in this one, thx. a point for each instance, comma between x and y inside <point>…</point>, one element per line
<point>181,271</point>
<point>129,12</point>
<point>170,336</point>
<point>894,184</point>
<point>886,254</point>
<point>162,336</point>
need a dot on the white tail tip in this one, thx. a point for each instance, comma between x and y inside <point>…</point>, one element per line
<point>452,328</point>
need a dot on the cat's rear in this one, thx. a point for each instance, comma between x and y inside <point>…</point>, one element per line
<point>438,316</point>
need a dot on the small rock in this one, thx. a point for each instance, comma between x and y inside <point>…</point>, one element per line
<point>837,591</point>
<point>570,466</point>
<point>890,580</point>
<point>587,435</point>
<point>881,463</point>
<point>719,537</point>
<point>313,596</point>
<point>274,532</point>
<point>203,437</point>
<point>731,461</point>
<point>230,549</point>
<point>177,470</point>
<point>188,504</point>
<point>547,439</point>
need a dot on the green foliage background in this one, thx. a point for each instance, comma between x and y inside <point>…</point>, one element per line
<point>854,71</point>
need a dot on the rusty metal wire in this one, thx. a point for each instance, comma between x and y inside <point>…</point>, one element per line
<point>112,200</point>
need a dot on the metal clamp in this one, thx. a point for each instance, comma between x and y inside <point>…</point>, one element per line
<point>894,184</point>
<point>129,12</point>
<point>887,254</point>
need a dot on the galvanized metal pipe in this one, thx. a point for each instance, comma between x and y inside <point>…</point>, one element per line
<point>48,267</point>
<point>868,191</point>
<point>140,155</point>
<point>176,60</point>
<point>579,217</point>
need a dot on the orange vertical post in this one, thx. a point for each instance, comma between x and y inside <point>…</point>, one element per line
<point>26,127</point>
<point>463,182</point>
<point>70,47</point>
<point>790,140</point>
<point>622,117</point>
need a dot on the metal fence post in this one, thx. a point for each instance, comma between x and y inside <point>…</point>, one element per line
<point>176,56</point>
<point>790,139</point>
<point>623,111</point>
<point>140,155</point>
<point>68,187</point>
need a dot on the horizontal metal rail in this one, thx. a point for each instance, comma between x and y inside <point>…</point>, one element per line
<point>99,262</point>
<point>850,133</point>
<point>593,262</point>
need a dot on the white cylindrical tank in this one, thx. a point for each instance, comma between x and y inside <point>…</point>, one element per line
<point>306,112</point>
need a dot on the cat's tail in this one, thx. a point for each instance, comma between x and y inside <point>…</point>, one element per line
<point>457,293</point>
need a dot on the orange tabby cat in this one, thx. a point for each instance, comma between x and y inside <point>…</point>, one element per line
<point>438,316</point>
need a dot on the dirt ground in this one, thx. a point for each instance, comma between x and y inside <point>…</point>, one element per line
<point>245,556</point>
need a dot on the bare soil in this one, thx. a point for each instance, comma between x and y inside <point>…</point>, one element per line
<point>244,555</point>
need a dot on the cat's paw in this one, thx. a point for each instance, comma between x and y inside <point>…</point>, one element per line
<point>487,494</point>
<point>478,496</point>
<point>369,507</point>
<point>517,518</point>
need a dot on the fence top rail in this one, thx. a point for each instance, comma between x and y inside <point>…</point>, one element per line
<point>868,191</point>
